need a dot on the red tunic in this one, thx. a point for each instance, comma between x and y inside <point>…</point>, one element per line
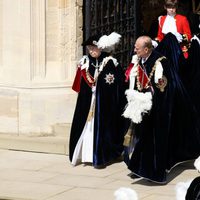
<point>182,26</point>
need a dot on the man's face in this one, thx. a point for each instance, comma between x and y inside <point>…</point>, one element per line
<point>140,50</point>
<point>94,51</point>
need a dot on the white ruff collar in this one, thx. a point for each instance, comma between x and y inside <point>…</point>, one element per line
<point>169,25</point>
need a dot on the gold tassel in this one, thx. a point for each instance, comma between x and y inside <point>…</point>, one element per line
<point>91,112</point>
<point>128,137</point>
<point>90,115</point>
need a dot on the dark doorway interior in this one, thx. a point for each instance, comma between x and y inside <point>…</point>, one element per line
<point>131,18</point>
<point>152,9</point>
<point>105,16</point>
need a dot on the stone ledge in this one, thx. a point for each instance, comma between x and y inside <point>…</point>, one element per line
<point>61,129</point>
<point>44,144</point>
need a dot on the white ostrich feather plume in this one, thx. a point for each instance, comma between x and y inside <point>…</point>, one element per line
<point>181,189</point>
<point>196,38</point>
<point>197,164</point>
<point>107,42</point>
<point>125,193</point>
<point>138,104</point>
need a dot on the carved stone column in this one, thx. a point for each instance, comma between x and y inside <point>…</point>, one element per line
<point>40,47</point>
<point>37,39</point>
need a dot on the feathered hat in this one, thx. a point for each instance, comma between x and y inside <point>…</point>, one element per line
<point>190,189</point>
<point>106,42</point>
<point>92,40</point>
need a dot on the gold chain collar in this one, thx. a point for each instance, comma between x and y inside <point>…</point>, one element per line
<point>139,85</point>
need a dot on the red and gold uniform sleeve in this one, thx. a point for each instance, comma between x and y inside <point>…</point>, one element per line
<point>160,35</point>
<point>183,26</point>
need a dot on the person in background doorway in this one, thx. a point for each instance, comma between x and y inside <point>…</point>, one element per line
<point>176,24</point>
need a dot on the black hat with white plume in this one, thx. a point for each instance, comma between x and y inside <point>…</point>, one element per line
<point>106,42</point>
<point>190,189</point>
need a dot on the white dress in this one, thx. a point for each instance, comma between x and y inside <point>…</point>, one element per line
<point>83,152</point>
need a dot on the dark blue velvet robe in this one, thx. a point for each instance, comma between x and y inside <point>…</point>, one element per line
<point>109,125</point>
<point>169,133</point>
<point>193,191</point>
<point>190,73</point>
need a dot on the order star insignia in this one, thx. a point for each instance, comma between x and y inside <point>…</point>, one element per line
<point>109,78</point>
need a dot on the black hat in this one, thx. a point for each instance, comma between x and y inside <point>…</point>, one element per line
<point>193,192</point>
<point>92,40</point>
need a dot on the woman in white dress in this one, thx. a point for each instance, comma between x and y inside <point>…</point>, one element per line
<point>98,126</point>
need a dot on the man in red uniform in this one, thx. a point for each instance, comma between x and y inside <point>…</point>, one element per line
<point>176,24</point>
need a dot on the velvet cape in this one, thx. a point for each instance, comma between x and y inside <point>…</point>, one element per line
<point>109,125</point>
<point>190,72</point>
<point>185,117</point>
<point>193,192</point>
<point>169,133</point>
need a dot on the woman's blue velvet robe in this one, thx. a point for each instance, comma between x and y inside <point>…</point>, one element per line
<point>109,125</point>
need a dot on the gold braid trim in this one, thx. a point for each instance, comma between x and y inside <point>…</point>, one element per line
<point>139,86</point>
<point>91,111</point>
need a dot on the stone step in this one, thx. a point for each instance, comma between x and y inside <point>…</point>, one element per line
<point>61,129</point>
<point>44,144</point>
<point>57,142</point>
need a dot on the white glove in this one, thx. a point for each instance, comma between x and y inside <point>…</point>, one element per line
<point>179,37</point>
<point>154,44</point>
<point>84,62</point>
<point>135,59</point>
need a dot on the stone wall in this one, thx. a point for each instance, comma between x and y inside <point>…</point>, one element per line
<point>40,44</point>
